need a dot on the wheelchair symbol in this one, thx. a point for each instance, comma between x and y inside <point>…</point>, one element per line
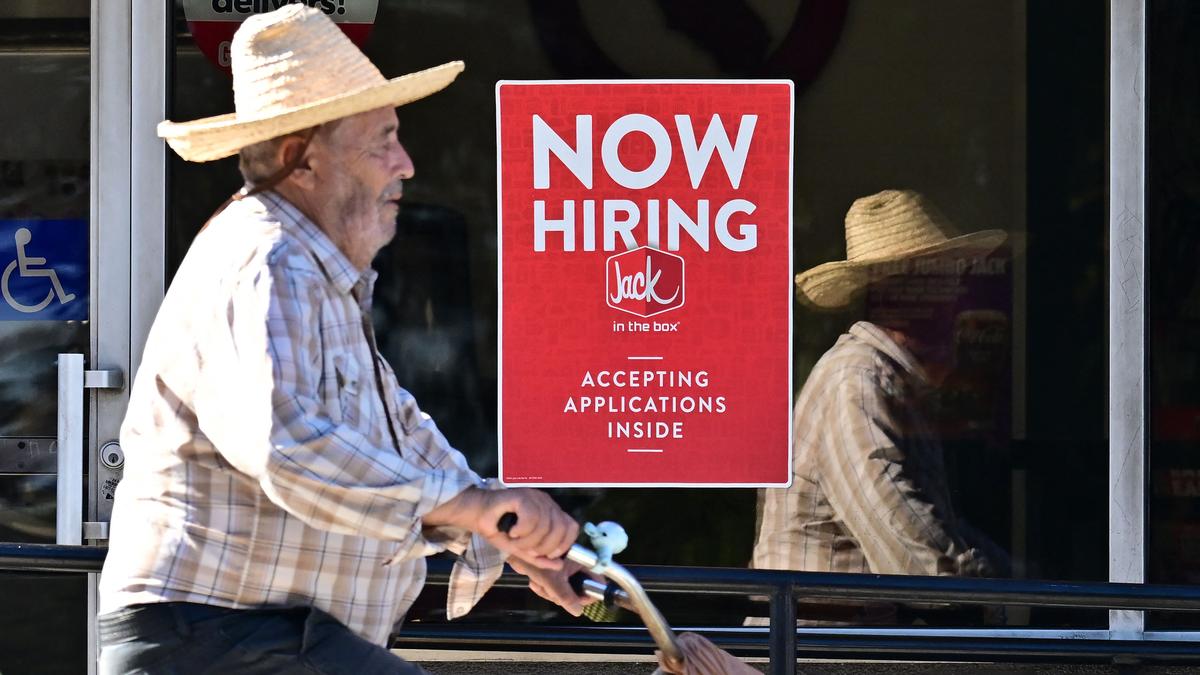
<point>27,267</point>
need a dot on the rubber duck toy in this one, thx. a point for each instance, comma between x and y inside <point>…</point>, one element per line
<point>608,539</point>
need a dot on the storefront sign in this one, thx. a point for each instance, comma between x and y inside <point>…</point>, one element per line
<point>45,270</point>
<point>645,282</point>
<point>213,22</point>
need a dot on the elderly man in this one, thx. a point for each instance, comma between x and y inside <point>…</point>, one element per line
<point>869,491</point>
<point>281,490</point>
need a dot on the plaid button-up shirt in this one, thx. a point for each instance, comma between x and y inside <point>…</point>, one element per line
<point>869,490</point>
<point>271,457</point>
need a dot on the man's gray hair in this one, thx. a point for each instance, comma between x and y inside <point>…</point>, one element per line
<point>259,161</point>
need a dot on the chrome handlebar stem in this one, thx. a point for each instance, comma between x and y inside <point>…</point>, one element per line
<point>638,601</point>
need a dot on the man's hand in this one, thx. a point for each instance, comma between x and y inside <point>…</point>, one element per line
<point>542,535</point>
<point>553,585</point>
<point>702,657</point>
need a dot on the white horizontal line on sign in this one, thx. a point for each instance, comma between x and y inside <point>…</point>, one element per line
<point>645,358</point>
<point>645,449</point>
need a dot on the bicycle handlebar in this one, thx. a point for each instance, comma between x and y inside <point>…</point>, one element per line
<point>635,598</point>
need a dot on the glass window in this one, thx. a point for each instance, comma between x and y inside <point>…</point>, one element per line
<point>1173,298</point>
<point>994,112</point>
<point>44,179</point>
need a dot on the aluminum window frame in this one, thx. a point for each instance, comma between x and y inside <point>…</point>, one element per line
<point>110,218</point>
<point>1127,367</point>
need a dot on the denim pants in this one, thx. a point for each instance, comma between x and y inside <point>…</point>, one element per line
<point>178,638</point>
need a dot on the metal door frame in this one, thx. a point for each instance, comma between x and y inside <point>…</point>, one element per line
<point>128,221</point>
<point>1127,388</point>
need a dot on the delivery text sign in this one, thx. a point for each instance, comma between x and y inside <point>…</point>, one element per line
<point>645,275</point>
<point>213,22</point>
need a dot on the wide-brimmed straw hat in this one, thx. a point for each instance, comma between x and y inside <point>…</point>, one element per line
<point>882,229</point>
<point>294,69</point>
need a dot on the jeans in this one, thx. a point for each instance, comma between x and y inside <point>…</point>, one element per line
<point>177,638</point>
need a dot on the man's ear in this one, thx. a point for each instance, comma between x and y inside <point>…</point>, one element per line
<point>303,176</point>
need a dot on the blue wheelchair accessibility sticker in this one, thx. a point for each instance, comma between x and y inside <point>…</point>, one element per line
<point>45,270</point>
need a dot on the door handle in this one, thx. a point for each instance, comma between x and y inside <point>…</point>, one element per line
<point>69,516</point>
<point>95,531</point>
<point>103,379</point>
<point>72,380</point>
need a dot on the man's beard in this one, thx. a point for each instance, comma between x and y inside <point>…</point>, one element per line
<point>362,215</point>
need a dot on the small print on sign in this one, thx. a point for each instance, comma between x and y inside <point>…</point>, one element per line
<point>649,223</point>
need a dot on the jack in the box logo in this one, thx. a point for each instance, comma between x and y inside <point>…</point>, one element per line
<point>644,281</point>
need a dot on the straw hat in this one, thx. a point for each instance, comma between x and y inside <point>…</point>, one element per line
<point>294,69</point>
<point>891,226</point>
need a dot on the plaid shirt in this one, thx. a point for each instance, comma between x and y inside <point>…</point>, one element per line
<point>869,491</point>
<point>272,459</point>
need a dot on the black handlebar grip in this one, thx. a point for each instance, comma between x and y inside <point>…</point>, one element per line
<point>576,581</point>
<point>506,522</point>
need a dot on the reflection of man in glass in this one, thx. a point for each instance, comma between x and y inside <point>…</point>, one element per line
<point>869,492</point>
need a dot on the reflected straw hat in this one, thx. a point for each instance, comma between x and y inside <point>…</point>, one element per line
<point>882,230</point>
<point>293,68</point>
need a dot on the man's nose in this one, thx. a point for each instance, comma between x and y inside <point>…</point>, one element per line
<point>404,165</point>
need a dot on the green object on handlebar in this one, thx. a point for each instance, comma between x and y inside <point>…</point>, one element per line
<point>600,611</point>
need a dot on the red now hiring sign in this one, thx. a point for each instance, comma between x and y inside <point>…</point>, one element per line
<point>645,282</point>
<point>213,22</point>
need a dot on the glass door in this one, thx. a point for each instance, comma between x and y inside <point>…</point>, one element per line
<point>45,79</point>
<point>78,157</point>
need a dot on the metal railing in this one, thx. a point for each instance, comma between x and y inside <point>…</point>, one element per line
<point>782,591</point>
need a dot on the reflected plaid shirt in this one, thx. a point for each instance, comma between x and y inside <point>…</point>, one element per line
<point>263,467</point>
<point>869,490</point>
